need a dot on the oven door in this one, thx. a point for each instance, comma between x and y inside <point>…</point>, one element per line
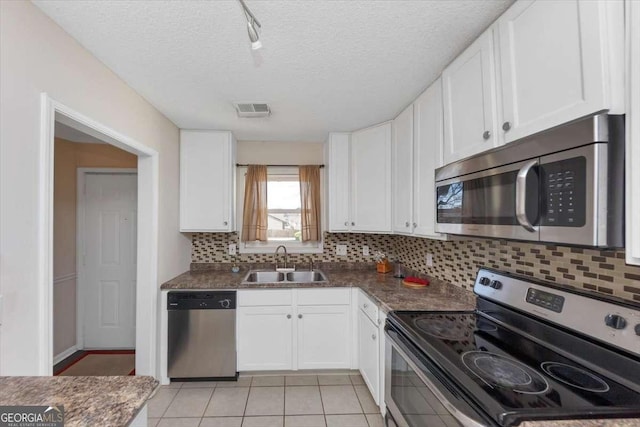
<point>501,202</point>
<point>417,394</point>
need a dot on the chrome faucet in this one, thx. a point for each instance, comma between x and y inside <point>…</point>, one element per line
<point>285,255</point>
<point>310,264</point>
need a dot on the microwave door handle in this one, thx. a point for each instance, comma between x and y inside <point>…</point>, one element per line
<point>521,195</point>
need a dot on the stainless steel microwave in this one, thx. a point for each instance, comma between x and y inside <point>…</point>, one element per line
<point>565,185</point>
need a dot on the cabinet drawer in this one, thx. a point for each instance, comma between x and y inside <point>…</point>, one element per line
<point>264,297</point>
<point>369,308</point>
<point>332,296</point>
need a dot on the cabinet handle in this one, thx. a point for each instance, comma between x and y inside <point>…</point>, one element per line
<point>346,223</point>
<point>506,126</point>
<point>365,305</point>
<point>373,337</point>
<point>353,223</point>
<point>288,316</point>
<point>406,224</point>
<point>299,316</point>
<point>415,225</point>
<point>486,134</point>
<point>225,223</point>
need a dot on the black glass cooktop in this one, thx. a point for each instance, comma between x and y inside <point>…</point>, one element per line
<point>513,378</point>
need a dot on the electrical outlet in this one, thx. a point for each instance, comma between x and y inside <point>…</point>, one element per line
<point>429,259</point>
<point>365,250</point>
<point>341,250</point>
<point>232,248</point>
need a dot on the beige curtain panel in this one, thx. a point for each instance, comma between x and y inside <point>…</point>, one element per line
<point>254,217</point>
<point>310,195</point>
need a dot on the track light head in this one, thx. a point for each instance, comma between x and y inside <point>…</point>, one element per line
<point>252,27</point>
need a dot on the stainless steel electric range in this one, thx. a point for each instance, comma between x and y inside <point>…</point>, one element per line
<point>530,351</point>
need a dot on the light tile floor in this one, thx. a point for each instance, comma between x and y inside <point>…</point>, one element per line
<point>329,400</point>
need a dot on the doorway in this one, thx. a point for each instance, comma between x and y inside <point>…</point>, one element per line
<point>146,295</point>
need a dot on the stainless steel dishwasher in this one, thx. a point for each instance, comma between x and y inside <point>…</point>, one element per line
<point>202,335</point>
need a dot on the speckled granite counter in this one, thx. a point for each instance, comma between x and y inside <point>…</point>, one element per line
<point>384,288</point>
<point>88,401</point>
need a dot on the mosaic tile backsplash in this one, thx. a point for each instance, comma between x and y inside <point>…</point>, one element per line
<point>457,261</point>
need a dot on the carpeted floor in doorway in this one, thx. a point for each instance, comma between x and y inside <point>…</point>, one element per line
<point>101,363</point>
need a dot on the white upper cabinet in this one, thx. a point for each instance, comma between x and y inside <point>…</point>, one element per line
<point>207,181</point>
<point>359,180</point>
<point>428,138</point>
<point>469,86</point>
<point>556,61</point>
<point>633,134</point>
<point>371,179</point>
<point>402,172</point>
<point>338,181</point>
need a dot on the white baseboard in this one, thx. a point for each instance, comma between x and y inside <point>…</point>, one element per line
<point>64,354</point>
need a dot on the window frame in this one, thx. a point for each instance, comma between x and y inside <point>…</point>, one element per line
<point>294,247</point>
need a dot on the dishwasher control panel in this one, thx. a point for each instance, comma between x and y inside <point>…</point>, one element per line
<point>201,300</point>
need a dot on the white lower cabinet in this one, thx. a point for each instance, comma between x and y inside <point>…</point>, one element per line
<point>294,329</point>
<point>265,338</point>
<point>368,350</point>
<point>323,338</point>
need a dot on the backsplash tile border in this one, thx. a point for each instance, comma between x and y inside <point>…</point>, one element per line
<point>457,261</point>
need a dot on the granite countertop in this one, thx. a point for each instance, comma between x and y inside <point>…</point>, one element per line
<point>88,401</point>
<point>384,288</point>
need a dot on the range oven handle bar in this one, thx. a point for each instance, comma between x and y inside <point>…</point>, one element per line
<point>521,195</point>
<point>429,380</point>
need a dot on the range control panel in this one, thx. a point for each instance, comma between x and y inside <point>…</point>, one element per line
<point>612,321</point>
<point>545,299</point>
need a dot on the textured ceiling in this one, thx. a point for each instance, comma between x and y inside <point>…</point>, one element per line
<point>325,65</point>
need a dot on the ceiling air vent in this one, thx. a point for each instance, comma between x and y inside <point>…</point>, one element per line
<point>252,110</point>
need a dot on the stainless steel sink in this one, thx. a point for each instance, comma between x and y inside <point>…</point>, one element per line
<point>315,276</point>
<point>264,277</point>
<point>306,276</point>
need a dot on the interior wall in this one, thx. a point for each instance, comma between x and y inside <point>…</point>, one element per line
<point>37,56</point>
<point>69,156</point>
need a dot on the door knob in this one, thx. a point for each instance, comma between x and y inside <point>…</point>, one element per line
<point>506,126</point>
<point>299,316</point>
<point>288,316</point>
<point>373,337</point>
<point>346,223</point>
<point>486,134</point>
<point>353,223</point>
<point>415,225</point>
<point>406,224</point>
<point>226,223</point>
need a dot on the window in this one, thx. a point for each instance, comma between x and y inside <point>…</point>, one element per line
<point>284,213</point>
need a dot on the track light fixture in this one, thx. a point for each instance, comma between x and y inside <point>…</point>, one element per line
<point>252,27</point>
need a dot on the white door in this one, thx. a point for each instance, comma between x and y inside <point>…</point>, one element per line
<point>470,101</point>
<point>553,64</point>
<point>402,171</point>
<point>324,337</point>
<point>427,157</point>
<point>371,179</point>
<point>265,337</point>
<point>109,270</point>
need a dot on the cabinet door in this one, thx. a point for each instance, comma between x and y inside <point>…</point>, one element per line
<point>633,134</point>
<point>371,179</point>
<point>338,177</point>
<point>427,157</point>
<point>553,63</point>
<point>369,356</point>
<point>470,101</point>
<point>207,166</point>
<point>324,334</point>
<point>402,172</point>
<point>265,337</point>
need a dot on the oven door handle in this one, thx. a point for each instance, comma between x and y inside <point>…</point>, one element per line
<point>521,196</point>
<point>395,341</point>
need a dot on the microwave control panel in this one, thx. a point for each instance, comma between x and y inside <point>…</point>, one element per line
<point>564,193</point>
